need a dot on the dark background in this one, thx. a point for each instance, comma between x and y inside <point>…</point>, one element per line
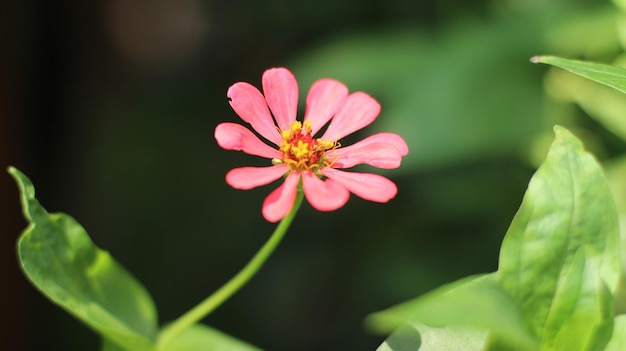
<point>109,107</point>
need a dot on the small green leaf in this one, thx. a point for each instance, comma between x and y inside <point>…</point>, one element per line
<point>477,303</point>
<point>202,338</point>
<point>59,258</point>
<point>612,76</point>
<point>567,215</point>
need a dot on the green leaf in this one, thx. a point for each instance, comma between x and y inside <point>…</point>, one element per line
<point>618,339</point>
<point>621,4</point>
<point>59,259</point>
<point>560,257</point>
<point>612,76</point>
<point>474,302</point>
<point>416,336</point>
<point>616,173</point>
<point>581,317</point>
<point>604,104</point>
<point>202,338</point>
<point>108,345</point>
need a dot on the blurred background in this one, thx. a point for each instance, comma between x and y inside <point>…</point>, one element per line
<point>109,107</point>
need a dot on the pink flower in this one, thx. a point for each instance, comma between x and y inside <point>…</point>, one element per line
<point>297,155</point>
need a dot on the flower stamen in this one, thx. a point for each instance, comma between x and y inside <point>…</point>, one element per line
<point>301,152</point>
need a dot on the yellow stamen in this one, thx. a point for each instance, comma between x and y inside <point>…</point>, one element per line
<point>307,126</point>
<point>302,152</point>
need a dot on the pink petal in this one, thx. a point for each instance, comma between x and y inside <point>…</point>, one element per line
<point>232,136</point>
<point>245,178</point>
<point>250,105</point>
<point>382,150</point>
<point>280,201</point>
<point>324,195</point>
<point>358,112</point>
<point>368,186</point>
<point>389,138</point>
<point>281,92</point>
<point>376,154</point>
<point>323,101</point>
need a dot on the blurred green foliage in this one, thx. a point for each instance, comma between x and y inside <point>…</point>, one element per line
<point>127,149</point>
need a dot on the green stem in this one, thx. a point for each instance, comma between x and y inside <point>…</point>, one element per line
<point>233,285</point>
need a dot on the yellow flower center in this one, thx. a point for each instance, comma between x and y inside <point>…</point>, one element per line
<point>301,152</point>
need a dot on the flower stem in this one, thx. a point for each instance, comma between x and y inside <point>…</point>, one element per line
<point>233,285</point>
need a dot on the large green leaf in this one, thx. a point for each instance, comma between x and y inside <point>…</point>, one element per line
<point>203,338</point>
<point>560,258</point>
<point>477,303</point>
<point>559,264</point>
<point>417,336</point>
<point>108,345</point>
<point>612,76</point>
<point>59,258</point>
<point>621,4</point>
<point>616,173</point>
<point>581,317</point>
<point>618,340</point>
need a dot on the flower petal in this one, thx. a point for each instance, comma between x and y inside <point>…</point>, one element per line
<point>325,98</point>
<point>389,138</point>
<point>245,178</point>
<point>375,154</point>
<point>382,150</point>
<point>280,201</point>
<point>281,92</point>
<point>368,186</point>
<point>358,111</point>
<point>250,105</point>
<point>233,136</point>
<point>324,195</point>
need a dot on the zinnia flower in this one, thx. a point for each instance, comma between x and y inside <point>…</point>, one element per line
<point>297,154</point>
